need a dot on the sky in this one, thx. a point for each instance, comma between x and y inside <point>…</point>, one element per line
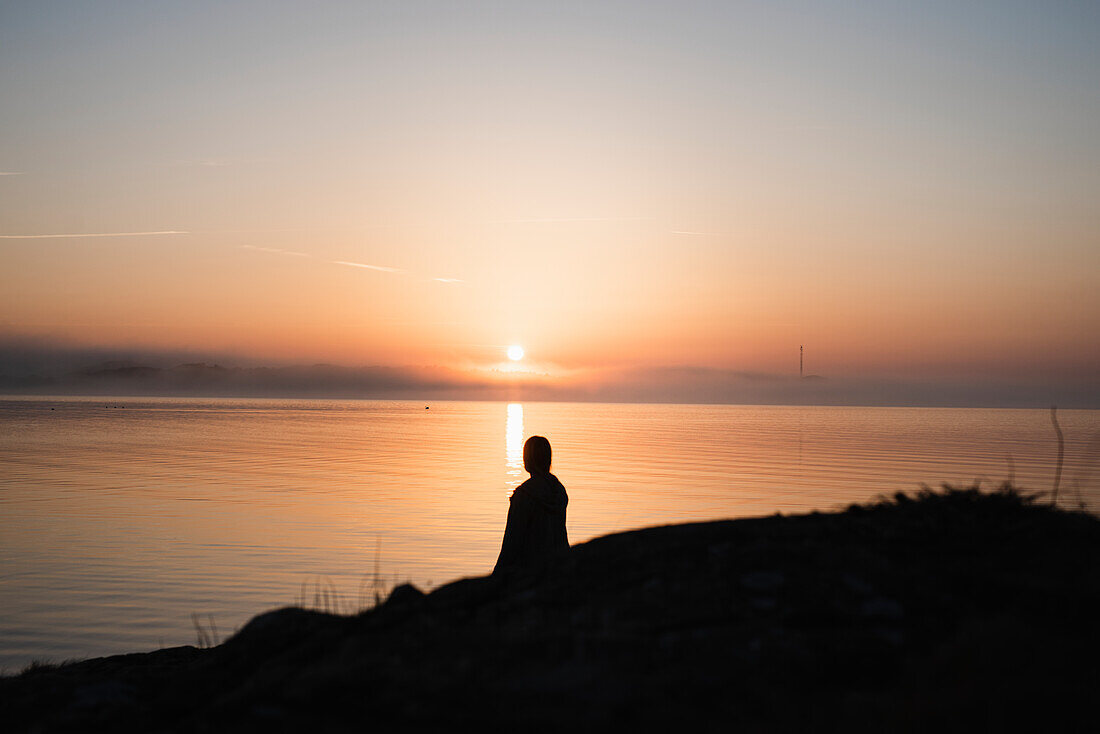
<point>908,190</point>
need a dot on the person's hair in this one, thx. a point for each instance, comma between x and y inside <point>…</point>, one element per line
<point>536,454</point>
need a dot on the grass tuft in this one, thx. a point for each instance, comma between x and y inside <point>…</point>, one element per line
<point>1006,494</point>
<point>205,637</point>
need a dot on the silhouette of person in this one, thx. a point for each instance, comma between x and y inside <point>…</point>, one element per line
<point>536,511</point>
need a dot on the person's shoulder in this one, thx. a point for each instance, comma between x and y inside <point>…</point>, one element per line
<point>522,490</point>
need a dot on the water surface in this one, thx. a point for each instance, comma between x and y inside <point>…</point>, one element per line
<point>120,518</point>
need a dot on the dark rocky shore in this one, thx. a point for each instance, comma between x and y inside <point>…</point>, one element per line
<point>950,610</point>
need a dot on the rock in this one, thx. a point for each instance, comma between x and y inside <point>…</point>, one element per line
<point>880,607</point>
<point>763,603</point>
<point>856,584</point>
<point>103,693</point>
<point>762,580</point>
<point>405,594</point>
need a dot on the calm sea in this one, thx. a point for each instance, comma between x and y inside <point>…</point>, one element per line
<point>121,518</point>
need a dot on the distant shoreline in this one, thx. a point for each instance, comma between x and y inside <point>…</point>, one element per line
<point>38,367</point>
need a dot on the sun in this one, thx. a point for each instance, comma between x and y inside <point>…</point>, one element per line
<point>515,352</point>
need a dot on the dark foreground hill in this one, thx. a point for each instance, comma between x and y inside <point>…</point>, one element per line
<point>950,610</point>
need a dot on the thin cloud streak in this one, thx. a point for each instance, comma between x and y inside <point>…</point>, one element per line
<point>696,234</point>
<point>380,268</point>
<point>546,220</point>
<point>87,234</point>
<point>11,173</point>
<point>448,280</point>
<point>275,250</point>
<point>366,266</point>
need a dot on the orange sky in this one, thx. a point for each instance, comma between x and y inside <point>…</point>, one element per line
<point>906,193</point>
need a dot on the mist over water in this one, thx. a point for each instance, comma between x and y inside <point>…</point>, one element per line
<point>30,366</point>
<point>122,517</point>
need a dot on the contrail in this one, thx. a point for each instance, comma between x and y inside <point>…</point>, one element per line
<point>87,234</point>
<point>275,250</point>
<point>544,220</point>
<point>364,265</point>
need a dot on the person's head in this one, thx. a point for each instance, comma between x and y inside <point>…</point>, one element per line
<point>536,455</point>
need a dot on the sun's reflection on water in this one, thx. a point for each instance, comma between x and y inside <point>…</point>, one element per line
<point>513,445</point>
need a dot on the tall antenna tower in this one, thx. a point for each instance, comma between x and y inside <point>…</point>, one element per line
<point>800,360</point>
